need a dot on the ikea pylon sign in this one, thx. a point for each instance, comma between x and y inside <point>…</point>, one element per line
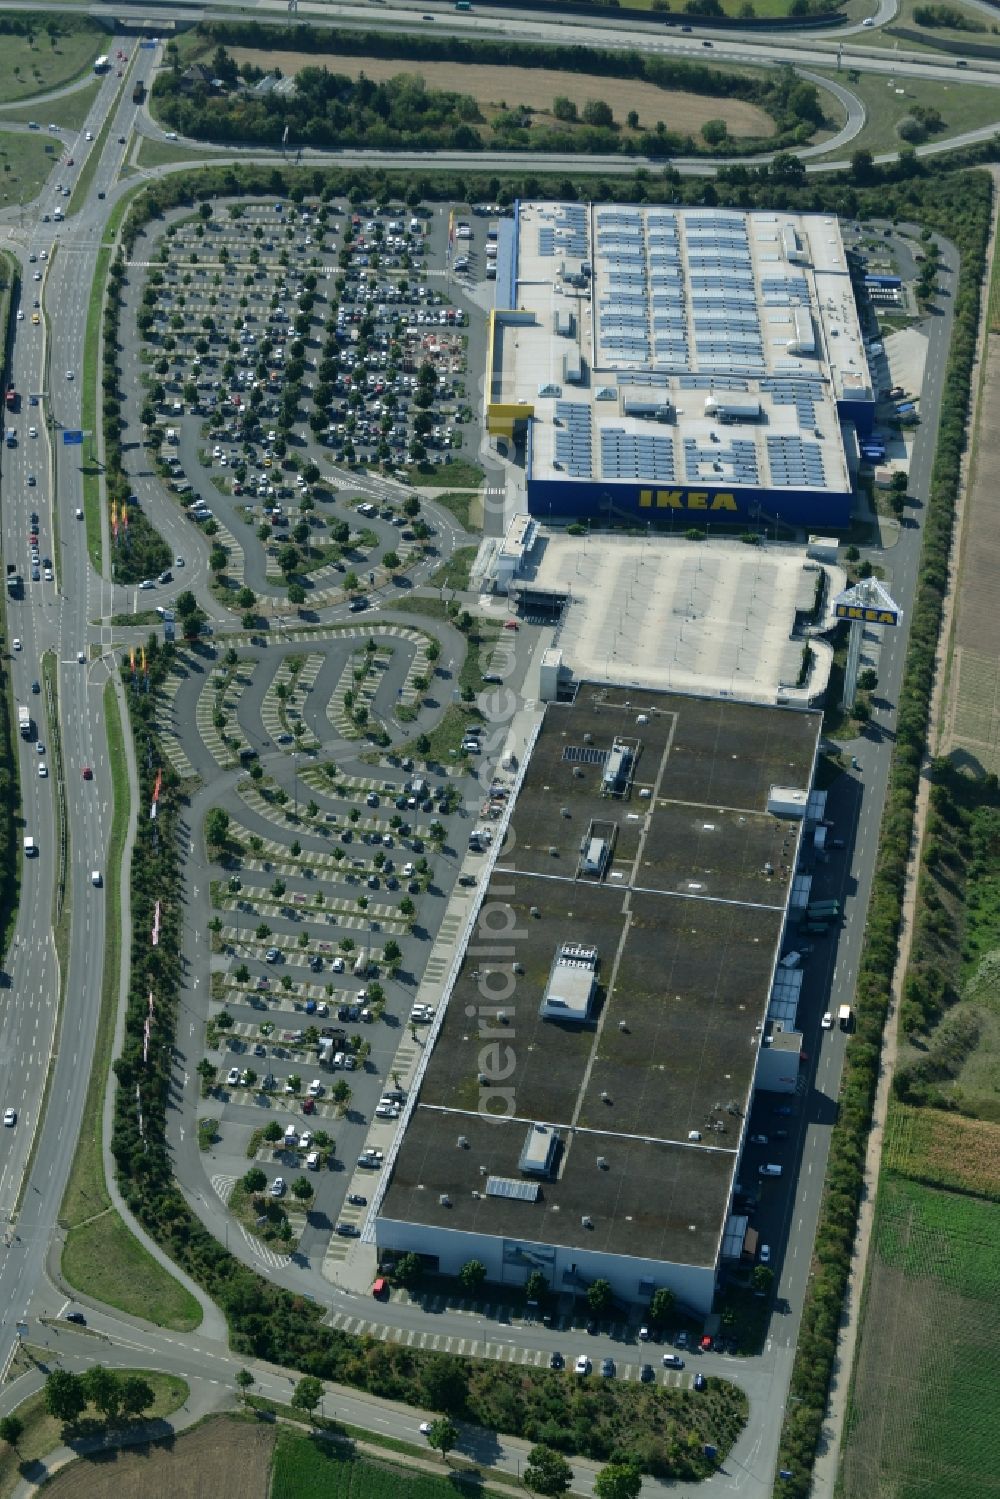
<point>867,614</point>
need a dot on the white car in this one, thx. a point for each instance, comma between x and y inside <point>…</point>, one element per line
<point>305,1140</point>
<point>70,375</point>
<point>765,1254</point>
<point>425,1426</point>
<point>337,965</point>
<point>387,1111</point>
<point>9,1118</point>
<point>79,512</point>
<point>827,1022</point>
<point>315,1088</point>
<point>278,1187</point>
<point>88,135</point>
<point>178,561</point>
<point>32,431</point>
<point>582,1365</point>
<point>20,314</point>
<point>232,1077</point>
<point>43,772</point>
<point>16,643</point>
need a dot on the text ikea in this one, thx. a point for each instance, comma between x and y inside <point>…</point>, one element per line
<point>694,499</point>
<point>870,616</point>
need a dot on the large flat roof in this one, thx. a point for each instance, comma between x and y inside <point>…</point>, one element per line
<point>713,616</point>
<point>685,346</point>
<point>686,922</point>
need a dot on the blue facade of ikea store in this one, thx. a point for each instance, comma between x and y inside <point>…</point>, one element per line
<point>640,502</point>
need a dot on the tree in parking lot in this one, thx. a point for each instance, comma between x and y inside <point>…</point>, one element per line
<point>296,597</point>
<point>224,1021</point>
<point>272,1130</point>
<point>390,560</point>
<point>255,1179</point>
<point>302,1189</point>
<point>547,1472</point>
<point>406,907</point>
<point>208,1072</point>
<point>600,1297</point>
<point>341,1094</point>
<point>262,931</point>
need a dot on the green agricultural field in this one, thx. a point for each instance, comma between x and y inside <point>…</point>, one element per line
<point>56,50</point>
<point>923,1420</point>
<point>961,107</point>
<point>308,1468</point>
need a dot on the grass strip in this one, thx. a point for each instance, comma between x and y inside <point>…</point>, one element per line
<point>42,1433</point>
<point>101,1258</point>
<point>91,468</point>
<point>459,1472</point>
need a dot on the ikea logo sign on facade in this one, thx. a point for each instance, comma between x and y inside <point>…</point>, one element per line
<point>868,616</point>
<point>686,499</point>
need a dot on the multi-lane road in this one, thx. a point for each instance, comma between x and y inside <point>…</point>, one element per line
<point>46,1054</point>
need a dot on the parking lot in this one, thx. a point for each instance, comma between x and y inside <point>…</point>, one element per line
<point>281,345</point>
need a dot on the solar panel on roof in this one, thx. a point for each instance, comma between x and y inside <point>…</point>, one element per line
<point>512,1187</point>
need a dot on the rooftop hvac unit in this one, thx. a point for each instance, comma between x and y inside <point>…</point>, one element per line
<point>535,911</point>
<point>553,850</point>
<point>602,1163</point>
<point>586,1221</point>
<point>444,1200</point>
<point>502,1016</point>
<point>462,1142</point>
<point>643,718</point>
<point>517,967</point>
<point>578,772</point>
<point>484,1171</point>
<point>588,738</point>
<point>476,1194</point>
<point>565,812</point>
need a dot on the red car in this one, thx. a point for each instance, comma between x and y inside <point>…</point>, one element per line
<point>87,773</point>
<point>309,1106</point>
<point>510,624</point>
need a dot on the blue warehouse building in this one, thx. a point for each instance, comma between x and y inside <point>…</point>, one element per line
<point>677,366</point>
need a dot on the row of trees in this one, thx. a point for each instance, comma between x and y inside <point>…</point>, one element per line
<point>139,551</point>
<point>329,109</point>
<point>966,222</point>
<point>115,1397</point>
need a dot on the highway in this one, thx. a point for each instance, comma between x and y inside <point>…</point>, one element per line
<point>47,1053</point>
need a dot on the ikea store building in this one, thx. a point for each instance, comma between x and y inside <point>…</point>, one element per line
<point>682,365</point>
